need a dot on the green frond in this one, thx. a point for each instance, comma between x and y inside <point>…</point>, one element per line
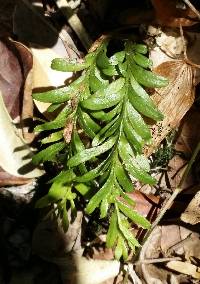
<point>107,106</point>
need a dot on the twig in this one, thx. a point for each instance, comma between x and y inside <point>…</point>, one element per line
<point>187,2</point>
<point>75,24</point>
<point>168,204</point>
<point>178,245</point>
<point>156,260</point>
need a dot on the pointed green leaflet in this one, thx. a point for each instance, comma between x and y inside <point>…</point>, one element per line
<point>57,191</point>
<point>92,174</point>
<point>138,122</point>
<point>60,95</point>
<point>89,58</point>
<point>118,249</point>
<point>88,124</point>
<point>54,96</point>
<point>126,232</point>
<point>101,194</point>
<point>120,193</point>
<point>57,123</point>
<point>53,137</point>
<point>141,101</point>
<point>123,68</point>
<point>65,65</point>
<point>142,60</point>
<point>112,233</point>
<point>141,48</point>
<point>96,81</point>
<point>121,248</point>
<point>107,116</point>
<point>132,167</point>
<point>78,147</point>
<point>78,144</point>
<point>123,245</point>
<point>147,78</point>
<point>122,177</point>
<point>104,208</point>
<point>105,98</point>
<point>83,189</point>
<point>133,215</point>
<point>102,102</point>
<point>88,154</point>
<point>106,131</point>
<point>133,138</point>
<point>110,71</point>
<point>143,162</point>
<point>53,107</point>
<point>64,177</point>
<point>102,59</point>
<point>118,57</point>
<point>48,154</point>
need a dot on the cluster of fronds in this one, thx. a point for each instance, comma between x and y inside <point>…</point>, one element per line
<point>98,136</point>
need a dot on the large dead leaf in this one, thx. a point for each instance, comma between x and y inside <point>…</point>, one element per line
<point>170,13</point>
<point>15,156</point>
<point>167,242</point>
<point>11,78</point>
<point>174,100</point>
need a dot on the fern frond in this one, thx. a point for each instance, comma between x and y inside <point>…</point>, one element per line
<point>106,106</point>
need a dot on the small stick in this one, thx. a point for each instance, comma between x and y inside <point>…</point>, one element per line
<point>178,245</point>
<point>155,260</point>
<point>187,2</point>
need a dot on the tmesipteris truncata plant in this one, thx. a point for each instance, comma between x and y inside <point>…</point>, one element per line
<point>97,138</point>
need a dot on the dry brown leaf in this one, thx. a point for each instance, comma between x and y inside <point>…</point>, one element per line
<point>11,78</point>
<point>185,268</point>
<point>169,14</point>
<point>7,179</point>
<point>174,100</point>
<point>167,241</point>
<point>192,212</point>
<point>26,59</point>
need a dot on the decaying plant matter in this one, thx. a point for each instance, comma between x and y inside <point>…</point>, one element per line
<point>98,135</point>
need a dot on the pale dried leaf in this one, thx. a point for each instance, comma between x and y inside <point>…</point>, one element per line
<point>15,156</point>
<point>185,268</point>
<point>174,100</point>
<point>192,213</point>
<point>168,241</point>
